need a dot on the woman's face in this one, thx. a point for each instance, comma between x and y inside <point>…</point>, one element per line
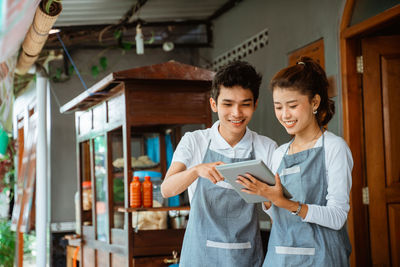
<point>294,110</point>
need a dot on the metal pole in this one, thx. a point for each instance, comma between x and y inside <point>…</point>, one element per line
<point>41,172</point>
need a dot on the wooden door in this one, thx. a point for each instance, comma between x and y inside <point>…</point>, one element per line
<point>381,95</point>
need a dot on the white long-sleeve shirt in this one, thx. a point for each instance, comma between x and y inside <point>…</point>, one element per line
<point>339,163</point>
<point>193,146</point>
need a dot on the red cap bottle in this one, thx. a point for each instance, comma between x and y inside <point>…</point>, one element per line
<point>136,194</point>
<point>147,192</point>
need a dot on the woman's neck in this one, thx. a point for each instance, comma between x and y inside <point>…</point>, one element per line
<point>306,139</point>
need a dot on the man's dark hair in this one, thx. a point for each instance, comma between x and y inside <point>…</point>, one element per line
<point>237,73</point>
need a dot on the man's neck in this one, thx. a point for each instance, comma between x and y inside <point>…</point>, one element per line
<point>231,138</point>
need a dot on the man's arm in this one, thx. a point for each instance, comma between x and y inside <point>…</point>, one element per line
<point>178,178</point>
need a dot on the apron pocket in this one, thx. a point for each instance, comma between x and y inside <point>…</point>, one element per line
<point>214,244</point>
<point>295,251</point>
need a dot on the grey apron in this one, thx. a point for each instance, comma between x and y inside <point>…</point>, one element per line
<point>223,230</point>
<point>293,242</point>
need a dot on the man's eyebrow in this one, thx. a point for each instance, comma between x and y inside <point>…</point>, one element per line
<point>244,100</point>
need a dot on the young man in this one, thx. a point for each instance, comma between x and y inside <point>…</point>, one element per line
<point>223,229</point>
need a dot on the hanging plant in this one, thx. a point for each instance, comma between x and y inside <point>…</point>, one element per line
<point>103,63</point>
<point>51,7</point>
<point>95,71</point>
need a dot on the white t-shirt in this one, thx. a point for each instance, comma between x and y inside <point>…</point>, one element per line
<point>339,163</point>
<point>193,146</point>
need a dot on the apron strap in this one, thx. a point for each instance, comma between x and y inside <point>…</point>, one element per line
<point>252,152</point>
<point>208,148</point>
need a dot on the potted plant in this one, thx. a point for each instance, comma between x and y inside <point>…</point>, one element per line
<point>7,181</point>
<point>7,244</point>
<point>45,17</point>
<point>51,7</point>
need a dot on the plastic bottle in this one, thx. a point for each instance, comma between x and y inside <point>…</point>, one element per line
<point>136,194</point>
<point>147,192</point>
<point>157,196</point>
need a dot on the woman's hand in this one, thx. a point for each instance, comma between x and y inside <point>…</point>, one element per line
<point>255,187</point>
<point>208,170</point>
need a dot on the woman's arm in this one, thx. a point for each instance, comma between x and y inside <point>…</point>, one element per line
<point>273,193</point>
<point>339,164</point>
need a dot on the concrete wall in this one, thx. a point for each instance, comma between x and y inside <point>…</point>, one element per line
<point>63,143</point>
<point>364,9</point>
<point>291,24</point>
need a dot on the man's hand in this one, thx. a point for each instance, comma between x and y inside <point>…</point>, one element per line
<point>208,170</point>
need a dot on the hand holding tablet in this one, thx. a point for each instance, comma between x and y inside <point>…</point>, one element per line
<point>257,169</point>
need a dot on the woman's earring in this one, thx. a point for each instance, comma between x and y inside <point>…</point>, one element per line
<point>314,112</point>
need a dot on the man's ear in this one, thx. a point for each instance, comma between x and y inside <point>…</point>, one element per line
<point>213,105</point>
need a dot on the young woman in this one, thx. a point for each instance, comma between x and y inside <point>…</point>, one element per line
<point>315,167</point>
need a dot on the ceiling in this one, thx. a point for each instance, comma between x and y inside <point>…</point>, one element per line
<point>101,12</point>
<point>99,23</point>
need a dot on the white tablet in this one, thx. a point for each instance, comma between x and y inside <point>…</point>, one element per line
<point>257,168</point>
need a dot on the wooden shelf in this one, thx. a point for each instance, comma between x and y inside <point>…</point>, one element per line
<point>121,173</point>
<point>122,209</point>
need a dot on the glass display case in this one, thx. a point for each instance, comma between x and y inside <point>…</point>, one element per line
<point>126,124</point>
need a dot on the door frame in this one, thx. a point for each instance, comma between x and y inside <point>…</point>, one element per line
<point>353,129</point>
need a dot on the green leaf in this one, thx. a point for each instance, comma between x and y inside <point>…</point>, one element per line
<point>103,62</point>
<point>7,244</point>
<point>95,71</point>
<point>48,4</point>
<point>151,40</point>
<point>58,73</point>
<point>117,34</point>
<point>71,70</point>
<point>126,46</point>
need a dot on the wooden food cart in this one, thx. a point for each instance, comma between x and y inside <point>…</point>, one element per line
<point>113,119</point>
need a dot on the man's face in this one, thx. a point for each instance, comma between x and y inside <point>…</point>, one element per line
<point>235,107</point>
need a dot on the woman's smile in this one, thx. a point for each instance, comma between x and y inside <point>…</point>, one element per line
<point>290,124</point>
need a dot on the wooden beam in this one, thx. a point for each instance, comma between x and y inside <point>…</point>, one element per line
<point>353,134</point>
<point>372,23</point>
<point>346,16</point>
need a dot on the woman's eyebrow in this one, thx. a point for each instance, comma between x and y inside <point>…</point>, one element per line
<point>288,102</point>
